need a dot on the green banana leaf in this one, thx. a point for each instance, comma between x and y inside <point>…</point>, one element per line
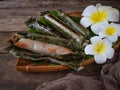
<point>70,60</point>
<point>53,40</point>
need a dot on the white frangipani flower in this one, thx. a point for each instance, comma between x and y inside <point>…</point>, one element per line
<point>110,31</point>
<point>98,15</point>
<point>100,48</point>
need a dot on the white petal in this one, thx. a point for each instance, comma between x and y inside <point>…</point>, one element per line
<point>107,42</point>
<point>102,34</point>
<point>104,26</point>
<point>98,5</point>
<point>89,50</point>
<point>113,15</point>
<point>117,26</point>
<point>100,59</point>
<point>96,28</point>
<point>110,53</point>
<point>113,38</point>
<point>103,8</point>
<point>89,10</point>
<point>85,21</point>
<point>95,39</point>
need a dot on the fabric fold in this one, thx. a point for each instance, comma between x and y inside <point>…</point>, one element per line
<point>109,79</point>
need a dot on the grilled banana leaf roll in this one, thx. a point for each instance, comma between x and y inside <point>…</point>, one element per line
<point>41,47</point>
<point>52,40</point>
<point>35,27</point>
<point>40,29</point>
<point>64,29</point>
<point>44,49</point>
<point>72,60</point>
<point>26,54</point>
<point>75,26</point>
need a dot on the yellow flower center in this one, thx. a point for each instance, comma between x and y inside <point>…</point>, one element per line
<point>98,16</point>
<point>100,47</point>
<point>110,31</point>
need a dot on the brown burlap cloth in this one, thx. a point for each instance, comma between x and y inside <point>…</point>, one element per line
<point>109,79</point>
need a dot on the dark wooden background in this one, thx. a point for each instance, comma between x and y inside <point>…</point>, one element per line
<point>13,14</point>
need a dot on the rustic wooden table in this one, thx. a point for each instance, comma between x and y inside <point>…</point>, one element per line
<point>13,14</point>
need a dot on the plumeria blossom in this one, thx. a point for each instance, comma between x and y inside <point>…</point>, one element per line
<point>100,48</point>
<point>110,31</point>
<point>98,15</point>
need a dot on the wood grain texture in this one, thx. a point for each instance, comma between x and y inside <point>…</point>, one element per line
<point>13,14</point>
<point>10,79</point>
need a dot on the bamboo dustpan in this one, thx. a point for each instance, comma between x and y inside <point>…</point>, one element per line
<point>27,65</point>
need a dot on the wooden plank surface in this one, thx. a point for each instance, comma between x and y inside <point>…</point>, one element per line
<point>10,79</point>
<point>13,14</point>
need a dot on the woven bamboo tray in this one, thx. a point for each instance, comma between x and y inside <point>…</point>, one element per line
<point>27,65</point>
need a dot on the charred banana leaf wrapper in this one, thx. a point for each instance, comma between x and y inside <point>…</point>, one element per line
<point>39,44</point>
